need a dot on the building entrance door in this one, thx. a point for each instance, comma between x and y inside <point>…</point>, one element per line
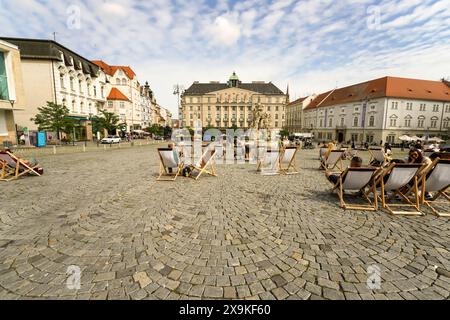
<point>340,137</point>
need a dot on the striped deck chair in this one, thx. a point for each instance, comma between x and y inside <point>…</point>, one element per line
<point>334,160</point>
<point>206,165</point>
<point>288,160</point>
<point>170,165</point>
<point>358,179</point>
<point>395,179</point>
<point>13,167</point>
<point>437,180</point>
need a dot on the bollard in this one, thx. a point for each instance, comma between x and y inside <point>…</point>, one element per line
<point>104,146</point>
<point>54,149</point>
<point>84,148</point>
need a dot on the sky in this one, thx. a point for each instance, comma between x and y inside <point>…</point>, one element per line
<point>310,45</point>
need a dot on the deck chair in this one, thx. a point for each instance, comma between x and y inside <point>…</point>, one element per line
<point>378,155</point>
<point>334,160</point>
<point>358,179</point>
<point>204,165</point>
<point>436,180</point>
<point>395,178</point>
<point>288,160</point>
<point>12,167</point>
<point>269,164</point>
<point>322,153</point>
<point>169,160</point>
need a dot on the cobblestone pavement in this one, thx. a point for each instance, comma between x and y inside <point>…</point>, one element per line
<point>241,235</point>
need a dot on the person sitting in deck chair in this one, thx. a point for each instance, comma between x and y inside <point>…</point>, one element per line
<point>333,177</point>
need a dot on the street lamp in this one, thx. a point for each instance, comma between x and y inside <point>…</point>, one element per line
<point>12,102</point>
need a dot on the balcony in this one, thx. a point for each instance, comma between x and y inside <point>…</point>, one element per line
<point>341,127</point>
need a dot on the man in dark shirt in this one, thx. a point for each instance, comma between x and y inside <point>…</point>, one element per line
<point>334,177</point>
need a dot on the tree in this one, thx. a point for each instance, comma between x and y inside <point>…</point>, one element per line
<point>155,130</point>
<point>54,117</point>
<point>284,133</point>
<point>167,131</point>
<point>107,121</point>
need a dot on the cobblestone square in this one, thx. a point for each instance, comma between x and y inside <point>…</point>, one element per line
<point>238,236</point>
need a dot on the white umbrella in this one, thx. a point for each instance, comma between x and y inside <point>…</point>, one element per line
<point>405,138</point>
<point>415,138</point>
<point>436,139</point>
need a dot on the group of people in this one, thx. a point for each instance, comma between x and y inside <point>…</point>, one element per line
<point>415,155</point>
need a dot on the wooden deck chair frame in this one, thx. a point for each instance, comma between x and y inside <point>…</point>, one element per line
<point>164,174</point>
<point>415,203</point>
<point>373,156</point>
<point>292,162</point>
<point>443,192</point>
<point>205,169</point>
<point>372,205</point>
<point>338,163</point>
<point>13,172</point>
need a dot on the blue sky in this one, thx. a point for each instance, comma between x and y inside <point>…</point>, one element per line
<point>312,45</point>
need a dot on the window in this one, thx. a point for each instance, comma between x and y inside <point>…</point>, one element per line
<point>423,107</point>
<point>61,81</point>
<point>103,91</point>
<point>445,123</point>
<point>447,108</point>
<point>409,106</point>
<point>95,91</point>
<point>329,136</point>
<point>72,85</point>
<point>321,123</point>
<point>330,122</point>
<point>218,109</point>
<point>276,124</point>
<point>80,86</point>
<point>354,137</point>
<point>4,93</point>
<point>73,105</point>
<point>435,108</point>
<point>355,121</point>
<point>82,107</point>
<point>393,122</point>
<point>122,104</point>
<point>408,122</point>
<point>110,104</point>
<point>420,122</point>
<point>124,82</point>
<point>371,121</point>
<point>394,105</point>
<point>342,122</point>
<point>434,122</point>
<point>118,82</point>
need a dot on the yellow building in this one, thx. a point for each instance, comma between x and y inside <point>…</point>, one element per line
<point>230,105</point>
<point>12,97</point>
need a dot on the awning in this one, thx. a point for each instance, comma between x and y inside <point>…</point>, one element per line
<point>138,131</point>
<point>405,138</point>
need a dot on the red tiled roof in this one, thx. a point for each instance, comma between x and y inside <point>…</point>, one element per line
<point>384,87</point>
<point>115,94</point>
<point>111,70</point>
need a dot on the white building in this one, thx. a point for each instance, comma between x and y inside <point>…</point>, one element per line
<point>54,73</point>
<point>380,110</point>
<point>124,97</point>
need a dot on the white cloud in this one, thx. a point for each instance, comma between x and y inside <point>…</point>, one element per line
<point>310,44</point>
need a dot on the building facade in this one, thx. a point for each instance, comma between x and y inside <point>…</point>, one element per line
<point>380,110</point>
<point>12,96</point>
<point>294,114</point>
<point>54,73</point>
<point>230,105</point>
<point>123,82</point>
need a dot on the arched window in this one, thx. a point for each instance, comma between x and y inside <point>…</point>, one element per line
<point>82,107</point>
<point>393,121</point>
<point>421,122</point>
<point>434,121</point>
<point>124,82</point>
<point>408,121</point>
<point>73,106</point>
<point>118,82</point>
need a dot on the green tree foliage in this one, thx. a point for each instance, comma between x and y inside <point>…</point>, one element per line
<point>54,117</point>
<point>107,121</point>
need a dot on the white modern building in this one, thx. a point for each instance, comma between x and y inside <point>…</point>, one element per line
<point>380,110</point>
<point>54,73</point>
